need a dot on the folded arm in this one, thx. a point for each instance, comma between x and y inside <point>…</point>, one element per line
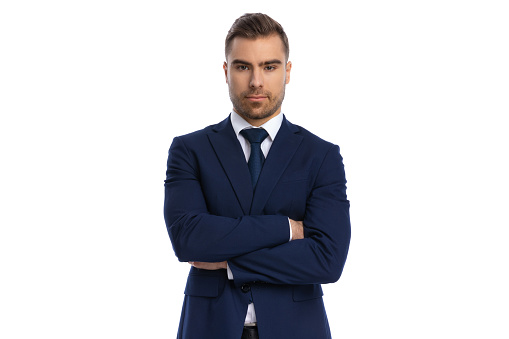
<point>297,232</point>
<point>320,256</point>
<point>197,235</point>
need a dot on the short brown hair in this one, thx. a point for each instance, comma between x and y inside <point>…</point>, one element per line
<point>255,25</point>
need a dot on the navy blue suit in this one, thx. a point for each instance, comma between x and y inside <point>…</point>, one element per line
<point>212,215</point>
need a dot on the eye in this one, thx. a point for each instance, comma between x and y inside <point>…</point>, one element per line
<point>242,67</point>
<point>270,68</point>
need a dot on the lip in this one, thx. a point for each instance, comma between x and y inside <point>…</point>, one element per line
<point>256,98</point>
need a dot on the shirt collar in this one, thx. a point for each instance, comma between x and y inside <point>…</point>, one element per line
<point>272,126</point>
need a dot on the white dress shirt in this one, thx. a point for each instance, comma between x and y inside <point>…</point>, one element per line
<point>272,127</point>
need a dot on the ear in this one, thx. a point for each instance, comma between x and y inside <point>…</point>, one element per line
<point>225,67</point>
<point>288,69</point>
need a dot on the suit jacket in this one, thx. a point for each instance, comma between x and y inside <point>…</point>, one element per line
<point>212,215</point>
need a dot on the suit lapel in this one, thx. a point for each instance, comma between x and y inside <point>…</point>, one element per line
<point>228,150</point>
<point>281,152</point>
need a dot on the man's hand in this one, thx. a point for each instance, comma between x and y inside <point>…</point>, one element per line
<point>211,266</point>
<point>297,229</point>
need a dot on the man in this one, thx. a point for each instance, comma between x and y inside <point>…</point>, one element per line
<point>256,205</point>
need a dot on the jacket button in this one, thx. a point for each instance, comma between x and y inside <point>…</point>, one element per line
<point>245,288</point>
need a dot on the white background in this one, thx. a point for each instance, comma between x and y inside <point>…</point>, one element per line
<point>93,92</point>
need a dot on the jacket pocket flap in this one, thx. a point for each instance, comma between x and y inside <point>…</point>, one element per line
<point>202,286</point>
<point>307,292</point>
<point>295,176</point>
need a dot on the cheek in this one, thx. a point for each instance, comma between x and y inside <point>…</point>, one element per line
<point>278,83</point>
<point>235,83</point>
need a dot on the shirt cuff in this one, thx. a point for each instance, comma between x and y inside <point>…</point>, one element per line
<point>290,224</point>
<point>230,274</point>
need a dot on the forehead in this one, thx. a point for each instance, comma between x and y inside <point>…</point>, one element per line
<point>257,50</point>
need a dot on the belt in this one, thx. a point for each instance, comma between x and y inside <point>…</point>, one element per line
<point>250,331</point>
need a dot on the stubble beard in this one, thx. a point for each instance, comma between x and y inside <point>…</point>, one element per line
<point>251,110</point>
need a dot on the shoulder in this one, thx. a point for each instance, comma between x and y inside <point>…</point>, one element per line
<point>310,139</point>
<point>201,135</point>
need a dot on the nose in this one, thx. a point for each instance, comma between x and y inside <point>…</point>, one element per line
<point>256,80</point>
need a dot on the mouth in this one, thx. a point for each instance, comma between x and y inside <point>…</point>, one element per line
<point>256,98</point>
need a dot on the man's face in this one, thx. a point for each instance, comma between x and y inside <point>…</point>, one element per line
<point>256,74</point>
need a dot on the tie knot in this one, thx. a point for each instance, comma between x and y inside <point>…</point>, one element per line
<point>254,135</point>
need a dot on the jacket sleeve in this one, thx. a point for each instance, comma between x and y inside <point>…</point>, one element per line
<point>196,235</point>
<point>319,257</point>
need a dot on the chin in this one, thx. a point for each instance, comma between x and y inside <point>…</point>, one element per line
<point>258,115</point>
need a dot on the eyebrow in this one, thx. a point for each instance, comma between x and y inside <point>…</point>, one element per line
<point>268,62</point>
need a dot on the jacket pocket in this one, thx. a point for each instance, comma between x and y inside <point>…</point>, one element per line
<point>202,286</point>
<point>300,175</point>
<point>307,292</point>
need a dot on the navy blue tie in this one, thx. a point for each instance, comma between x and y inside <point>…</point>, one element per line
<point>255,136</point>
